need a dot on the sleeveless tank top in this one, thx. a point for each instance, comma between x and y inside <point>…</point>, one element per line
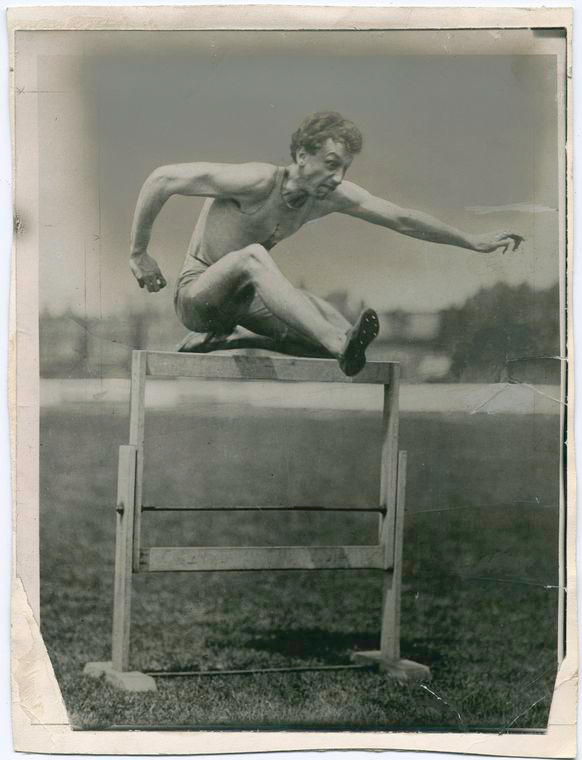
<point>222,227</point>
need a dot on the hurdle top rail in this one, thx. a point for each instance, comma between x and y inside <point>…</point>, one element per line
<point>245,367</point>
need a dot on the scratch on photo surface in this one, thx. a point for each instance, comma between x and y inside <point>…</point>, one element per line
<point>523,712</point>
<point>537,390</point>
<point>525,684</point>
<point>520,581</point>
<point>444,701</point>
<point>507,384</point>
<point>82,324</point>
<point>490,398</point>
<point>515,503</point>
<point>540,356</point>
<point>524,208</point>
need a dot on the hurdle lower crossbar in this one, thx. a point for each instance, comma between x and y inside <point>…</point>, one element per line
<point>130,558</point>
<point>269,508</point>
<point>221,558</point>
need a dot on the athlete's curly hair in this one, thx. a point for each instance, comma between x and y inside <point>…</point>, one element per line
<point>315,130</point>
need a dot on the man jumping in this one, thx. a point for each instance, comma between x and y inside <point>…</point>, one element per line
<point>229,278</point>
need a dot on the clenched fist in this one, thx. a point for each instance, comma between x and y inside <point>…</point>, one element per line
<point>146,271</point>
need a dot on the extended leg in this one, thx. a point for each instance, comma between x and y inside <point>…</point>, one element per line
<point>260,320</point>
<point>353,356</point>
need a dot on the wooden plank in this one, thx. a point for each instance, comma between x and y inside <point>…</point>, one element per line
<point>136,438</point>
<point>389,463</point>
<point>390,635</point>
<point>123,558</point>
<point>238,367</point>
<point>217,558</point>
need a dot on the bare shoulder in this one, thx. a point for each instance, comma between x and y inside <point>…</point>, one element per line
<point>251,179</point>
<point>213,180</point>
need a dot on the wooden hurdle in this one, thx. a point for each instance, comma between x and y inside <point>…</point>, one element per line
<point>132,558</point>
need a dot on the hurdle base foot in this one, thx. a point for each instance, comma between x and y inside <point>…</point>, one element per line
<point>405,671</point>
<point>131,680</point>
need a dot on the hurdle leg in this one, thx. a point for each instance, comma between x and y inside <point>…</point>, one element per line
<point>136,438</point>
<point>117,671</point>
<point>388,656</point>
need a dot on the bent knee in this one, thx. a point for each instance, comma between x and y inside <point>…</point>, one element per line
<point>254,250</point>
<point>254,260</point>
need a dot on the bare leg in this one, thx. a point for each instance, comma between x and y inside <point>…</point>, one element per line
<point>213,300</point>
<point>328,311</point>
<point>358,337</point>
<point>261,321</point>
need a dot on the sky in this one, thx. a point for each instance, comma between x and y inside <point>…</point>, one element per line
<point>470,139</point>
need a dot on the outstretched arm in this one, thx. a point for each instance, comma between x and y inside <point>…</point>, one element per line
<point>196,179</point>
<point>361,204</point>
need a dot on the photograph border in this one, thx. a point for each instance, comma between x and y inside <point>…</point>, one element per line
<point>38,713</point>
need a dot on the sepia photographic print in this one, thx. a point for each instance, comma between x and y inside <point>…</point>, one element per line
<point>290,381</point>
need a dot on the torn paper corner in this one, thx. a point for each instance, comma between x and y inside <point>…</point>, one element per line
<point>564,705</point>
<point>36,698</point>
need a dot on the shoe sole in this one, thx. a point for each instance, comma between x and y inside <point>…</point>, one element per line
<point>361,335</point>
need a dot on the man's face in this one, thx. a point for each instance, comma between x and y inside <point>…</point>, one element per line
<point>323,171</point>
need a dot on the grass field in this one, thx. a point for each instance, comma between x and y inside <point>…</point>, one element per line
<point>480,566</point>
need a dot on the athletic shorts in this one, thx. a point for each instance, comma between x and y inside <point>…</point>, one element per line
<point>254,316</point>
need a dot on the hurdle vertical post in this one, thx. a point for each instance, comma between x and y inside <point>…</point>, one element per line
<point>391,536</point>
<point>389,463</point>
<point>136,438</point>
<point>123,566</point>
<point>390,478</point>
<point>127,540</point>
